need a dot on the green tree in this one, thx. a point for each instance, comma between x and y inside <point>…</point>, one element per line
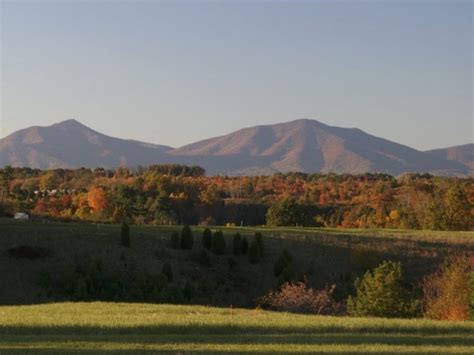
<point>218,243</point>
<point>186,238</point>
<point>168,271</point>
<point>286,212</point>
<point>254,252</point>
<point>457,209</point>
<point>237,244</point>
<point>245,245</point>
<point>207,239</point>
<point>259,240</point>
<point>283,262</point>
<point>381,293</point>
<point>125,234</point>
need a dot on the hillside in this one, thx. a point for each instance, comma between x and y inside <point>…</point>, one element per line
<point>311,146</point>
<point>302,145</point>
<point>65,255</point>
<point>70,144</point>
<point>462,153</point>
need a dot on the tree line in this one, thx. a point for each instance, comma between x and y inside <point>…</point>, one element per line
<point>176,194</point>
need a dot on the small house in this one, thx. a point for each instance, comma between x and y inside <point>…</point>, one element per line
<point>21,215</point>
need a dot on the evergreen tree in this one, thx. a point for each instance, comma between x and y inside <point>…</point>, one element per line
<point>207,239</point>
<point>254,252</point>
<point>245,245</point>
<point>381,293</point>
<point>186,238</point>
<point>168,271</point>
<point>218,243</point>
<point>259,240</point>
<point>125,234</point>
<point>237,244</point>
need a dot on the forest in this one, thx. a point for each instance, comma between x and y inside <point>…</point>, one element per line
<point>183,195</point>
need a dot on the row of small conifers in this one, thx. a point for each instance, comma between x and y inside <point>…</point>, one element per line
<point>381,292</point>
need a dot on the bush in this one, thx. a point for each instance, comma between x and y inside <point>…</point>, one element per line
<point>207,239</point>
<point>298,298</point>
<point>259,240</point>
<point>218,243</point>
<point>254,252</point>
<point>186,238</point>
<point>168,271</point>
<point>125,235</point>
<point>237,244</point>
<point>449,292</point>
<point>175,240</point>
<point>282,263</point>
<point>245,245</point>
<point>381,293</point>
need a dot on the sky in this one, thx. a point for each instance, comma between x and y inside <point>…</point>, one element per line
<point>174,72</point>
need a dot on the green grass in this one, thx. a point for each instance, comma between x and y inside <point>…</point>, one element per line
<point>144,328</point>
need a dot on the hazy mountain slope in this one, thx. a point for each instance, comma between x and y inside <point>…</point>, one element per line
<point>301,145</point>
<point>70,144</point>
<point>311,146</point>
<point>461,153</point>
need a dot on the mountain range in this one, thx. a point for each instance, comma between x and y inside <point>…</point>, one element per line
<point>302,145</point>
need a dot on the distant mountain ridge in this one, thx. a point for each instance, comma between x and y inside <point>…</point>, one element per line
<point>301,145</point>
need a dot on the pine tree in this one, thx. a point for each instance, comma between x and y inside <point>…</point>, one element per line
<point>168,271</point>
<point>259,240</point>
<point>237,244</point>
<point>254,252</point>
<point>245,245</point>
<point>207,239</point>
<point>218,243</point>
<point>381,293</point>
<point>186,238</point>
<point>125,234</point>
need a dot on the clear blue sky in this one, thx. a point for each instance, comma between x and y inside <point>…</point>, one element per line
<point>176,72</point>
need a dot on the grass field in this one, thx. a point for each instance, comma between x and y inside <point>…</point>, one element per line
<point>144,328</point>
<point>323,256</point>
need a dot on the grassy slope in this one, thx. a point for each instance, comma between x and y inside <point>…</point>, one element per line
<point>126,328</point>
<point>323,255</point>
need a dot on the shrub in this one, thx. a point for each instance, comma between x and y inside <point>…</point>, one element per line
<point>245,245</point>
<point>259,240</point>
<point>168,271</point>
<point>125,235</point>
<point>207,239</point>
<point>447,294</point>
<point>254,252</point>
<point>381,293</point>
<point>175,241</point>
<point>282,263</point>
<point>237,244</point>
<point>186,238</point>
<point>299,298</point>
<point>218,243</point>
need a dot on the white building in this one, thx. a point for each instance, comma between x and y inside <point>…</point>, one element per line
<point>21,215</point>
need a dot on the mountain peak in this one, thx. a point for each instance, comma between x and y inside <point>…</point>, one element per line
<point>70,123</point>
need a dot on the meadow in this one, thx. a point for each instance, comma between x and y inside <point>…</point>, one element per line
<point>223,315</point>
<point>145,328</point>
